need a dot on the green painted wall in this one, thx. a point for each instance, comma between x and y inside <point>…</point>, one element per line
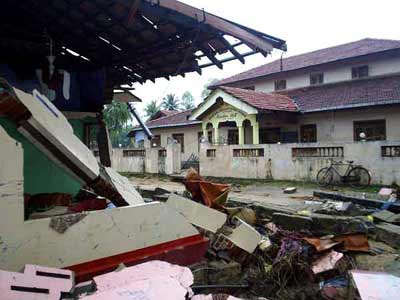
<point>41,175</point>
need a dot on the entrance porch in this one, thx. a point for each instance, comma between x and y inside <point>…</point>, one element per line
<point>233,116</point>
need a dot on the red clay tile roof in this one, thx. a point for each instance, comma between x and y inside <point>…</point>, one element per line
<point>262,101</point>
<point>356,93</point>
<point>176,119</point>
<point>336,53</point>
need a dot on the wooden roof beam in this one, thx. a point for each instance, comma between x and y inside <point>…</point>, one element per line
<point>233,50</point>
<point>211,57</point>
<point>217,23</point>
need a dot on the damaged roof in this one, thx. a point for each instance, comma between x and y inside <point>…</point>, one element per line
<point>134,40</point>
<point>328,55</point>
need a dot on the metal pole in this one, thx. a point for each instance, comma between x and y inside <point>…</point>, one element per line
<point>146,130</point>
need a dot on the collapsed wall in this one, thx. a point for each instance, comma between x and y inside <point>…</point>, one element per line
<point>46,127</point>
<point>90,243</point>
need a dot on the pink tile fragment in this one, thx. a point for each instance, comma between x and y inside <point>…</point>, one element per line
<point>36,283</point>
<point>144,271</point>
<point>157,288</point>
<point>326,262</point>
<point>148,281</point>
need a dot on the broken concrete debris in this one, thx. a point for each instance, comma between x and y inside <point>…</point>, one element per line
<point>240,233</point>
<point>198,214</point>
<point>151,280</point>
<point>49,130</point>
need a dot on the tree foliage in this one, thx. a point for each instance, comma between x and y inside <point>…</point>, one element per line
<point>151,108</point>
<point>187,100</point>
<point>117,117</point>
<point>206,91</point>
<point>170,102</point>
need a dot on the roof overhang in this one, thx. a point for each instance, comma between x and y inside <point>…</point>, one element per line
<point>134,40</point>
<point>125,96</point>
<point>212,100</point>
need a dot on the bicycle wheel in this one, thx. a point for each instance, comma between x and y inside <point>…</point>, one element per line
<point>324,177</point>
<point>359,177</point>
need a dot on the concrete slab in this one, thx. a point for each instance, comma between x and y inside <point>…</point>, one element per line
<point>389,234</point>
<point>244,236</point>
<point>197,214</point>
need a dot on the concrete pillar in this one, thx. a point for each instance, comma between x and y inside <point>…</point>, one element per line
<point>205,134</point>
<point>216,135</point>
<point>256,133</point>
<point>241,135</point>
<point>173,159</point>
<point>151,161</point>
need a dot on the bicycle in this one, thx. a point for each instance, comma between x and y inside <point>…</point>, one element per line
<point>355,175</point>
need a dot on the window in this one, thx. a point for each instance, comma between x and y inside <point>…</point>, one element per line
<point>359,72</point>
<point>156,141</point>
<point>308,133</point>
<point>233,137</point>
<point>280,85</point>
<point>374,130</point>
<point>251,88</point>
<point>180,138</point>
<point>211,152</point>
<point>248,152</point>
<point>270,135</point>
<point>317,78</point>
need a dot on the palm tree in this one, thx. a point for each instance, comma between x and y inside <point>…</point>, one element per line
<point>187,100</point>
<point>151,108</point>
<point>170,102</point>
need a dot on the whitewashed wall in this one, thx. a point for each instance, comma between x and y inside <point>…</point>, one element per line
<point>331,75</point>
<point>279,164</point>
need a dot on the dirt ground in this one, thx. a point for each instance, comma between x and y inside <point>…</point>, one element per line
<point>264,193</point>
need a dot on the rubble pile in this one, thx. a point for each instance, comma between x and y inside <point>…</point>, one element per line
<point>319,249</point>
<point>310,253</point>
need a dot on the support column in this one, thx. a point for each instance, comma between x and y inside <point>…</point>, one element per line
<point>256,133</point>
<point>205,134</point>
<point>241,135</point>
<point>216,135</point>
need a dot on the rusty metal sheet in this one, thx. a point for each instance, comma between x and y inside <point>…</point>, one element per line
<point>354,242</point>
<point>321,244</point>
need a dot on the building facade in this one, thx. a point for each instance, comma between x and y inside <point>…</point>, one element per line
<point>346,93</point>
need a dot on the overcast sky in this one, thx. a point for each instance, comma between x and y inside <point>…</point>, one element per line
<point>305,25</point>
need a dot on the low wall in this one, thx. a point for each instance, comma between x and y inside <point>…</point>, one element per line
<point>128,160</point>
<point>285,162</point>
<point>148,160</point>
